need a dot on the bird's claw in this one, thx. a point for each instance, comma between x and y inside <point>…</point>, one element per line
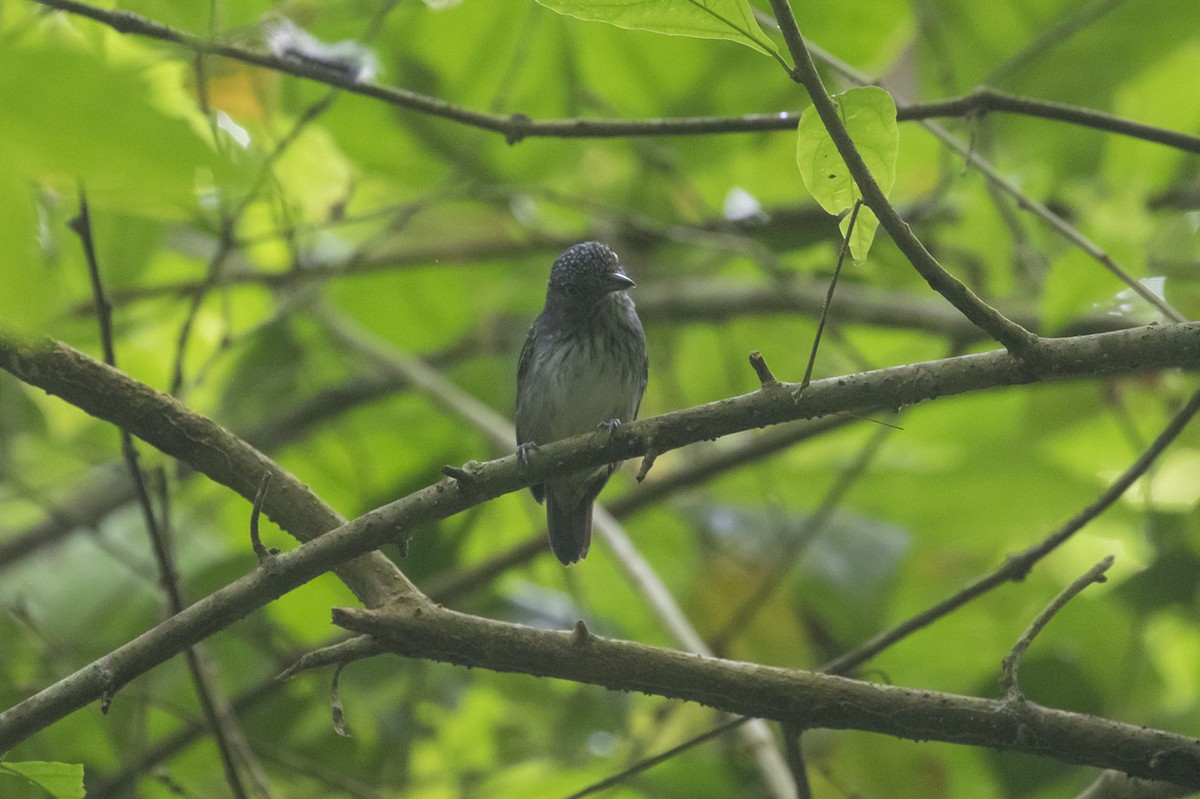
<point>609,427</point>
<point>524,451</point>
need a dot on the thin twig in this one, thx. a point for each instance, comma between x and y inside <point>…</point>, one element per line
<point>119,784</point>
<point>1015,567</point>
<point>795,759</point>
<point>452,584</point>
<point>516,127</point>
<point>212,279</point>
<point>81,225</point>
<point>766,378</point>
<point>849,661</point>
<point>339,653</point>
<point>500,432</point>
<point>265,170</point>
<point>1052,36</point>
<point>785,561</point>
<point>1015,338</point>
<point>227,241</point>
<point>985,100</point>
<point>1040,210</point>
<point>337,711</point>
<point>1009,686</point>
<point>350,549</point>
<point>837,271</point>
<point>262,552</point>
<point>806,699</point>
<point>1062,226</point>
<point>648,461</point>
<point>643,765</point>
<point>221,726</point>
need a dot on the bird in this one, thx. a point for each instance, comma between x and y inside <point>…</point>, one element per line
<point>583,367</point>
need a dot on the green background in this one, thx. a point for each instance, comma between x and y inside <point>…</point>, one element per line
<point>436,240</point>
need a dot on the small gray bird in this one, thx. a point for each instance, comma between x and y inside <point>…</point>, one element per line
<point>583,366</point>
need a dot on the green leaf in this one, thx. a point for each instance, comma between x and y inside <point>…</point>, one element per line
<point>70,116</point>
<point>863,234</point>
<point>702,19</point>
<point>869,114</point>
<point>60,780</point>
<point>30,294</point>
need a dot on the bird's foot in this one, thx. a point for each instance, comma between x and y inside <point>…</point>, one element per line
<point>609,427</point>
<point>525,450</point>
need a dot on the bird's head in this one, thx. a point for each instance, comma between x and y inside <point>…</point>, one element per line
<point>585,274</point>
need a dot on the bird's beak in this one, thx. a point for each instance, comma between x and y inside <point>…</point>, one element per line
<point>619,281</point>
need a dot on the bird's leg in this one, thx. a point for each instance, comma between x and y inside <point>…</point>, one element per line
<point>610,427</point>
<point>525,450</point>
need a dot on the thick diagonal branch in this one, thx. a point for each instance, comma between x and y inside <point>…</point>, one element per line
<point>806,699</point>
<point>164,423</point>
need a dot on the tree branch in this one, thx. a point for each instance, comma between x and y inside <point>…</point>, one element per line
<point>164,423</point>
<point>1009,684</point>
<point>516,127</point>
<point>443,587</point>
<point>1038,209</point>
<point>805,699</point>
<point>1014,337</point>
<point>640,575</point>
<point>221,722</point>
<point>1015,567</point>
<point>110,489</point>
<point>637,768</point>
<point>985,99</point>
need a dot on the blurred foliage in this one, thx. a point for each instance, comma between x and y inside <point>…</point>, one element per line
<point>239,191</point>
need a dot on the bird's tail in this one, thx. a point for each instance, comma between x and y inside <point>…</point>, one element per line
<point>570,527</point>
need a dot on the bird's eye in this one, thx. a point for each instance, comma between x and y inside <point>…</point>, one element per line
<point>571,291</point>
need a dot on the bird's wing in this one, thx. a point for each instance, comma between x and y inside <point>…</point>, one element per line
<point>523,364</point>
<point>637,405</point>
